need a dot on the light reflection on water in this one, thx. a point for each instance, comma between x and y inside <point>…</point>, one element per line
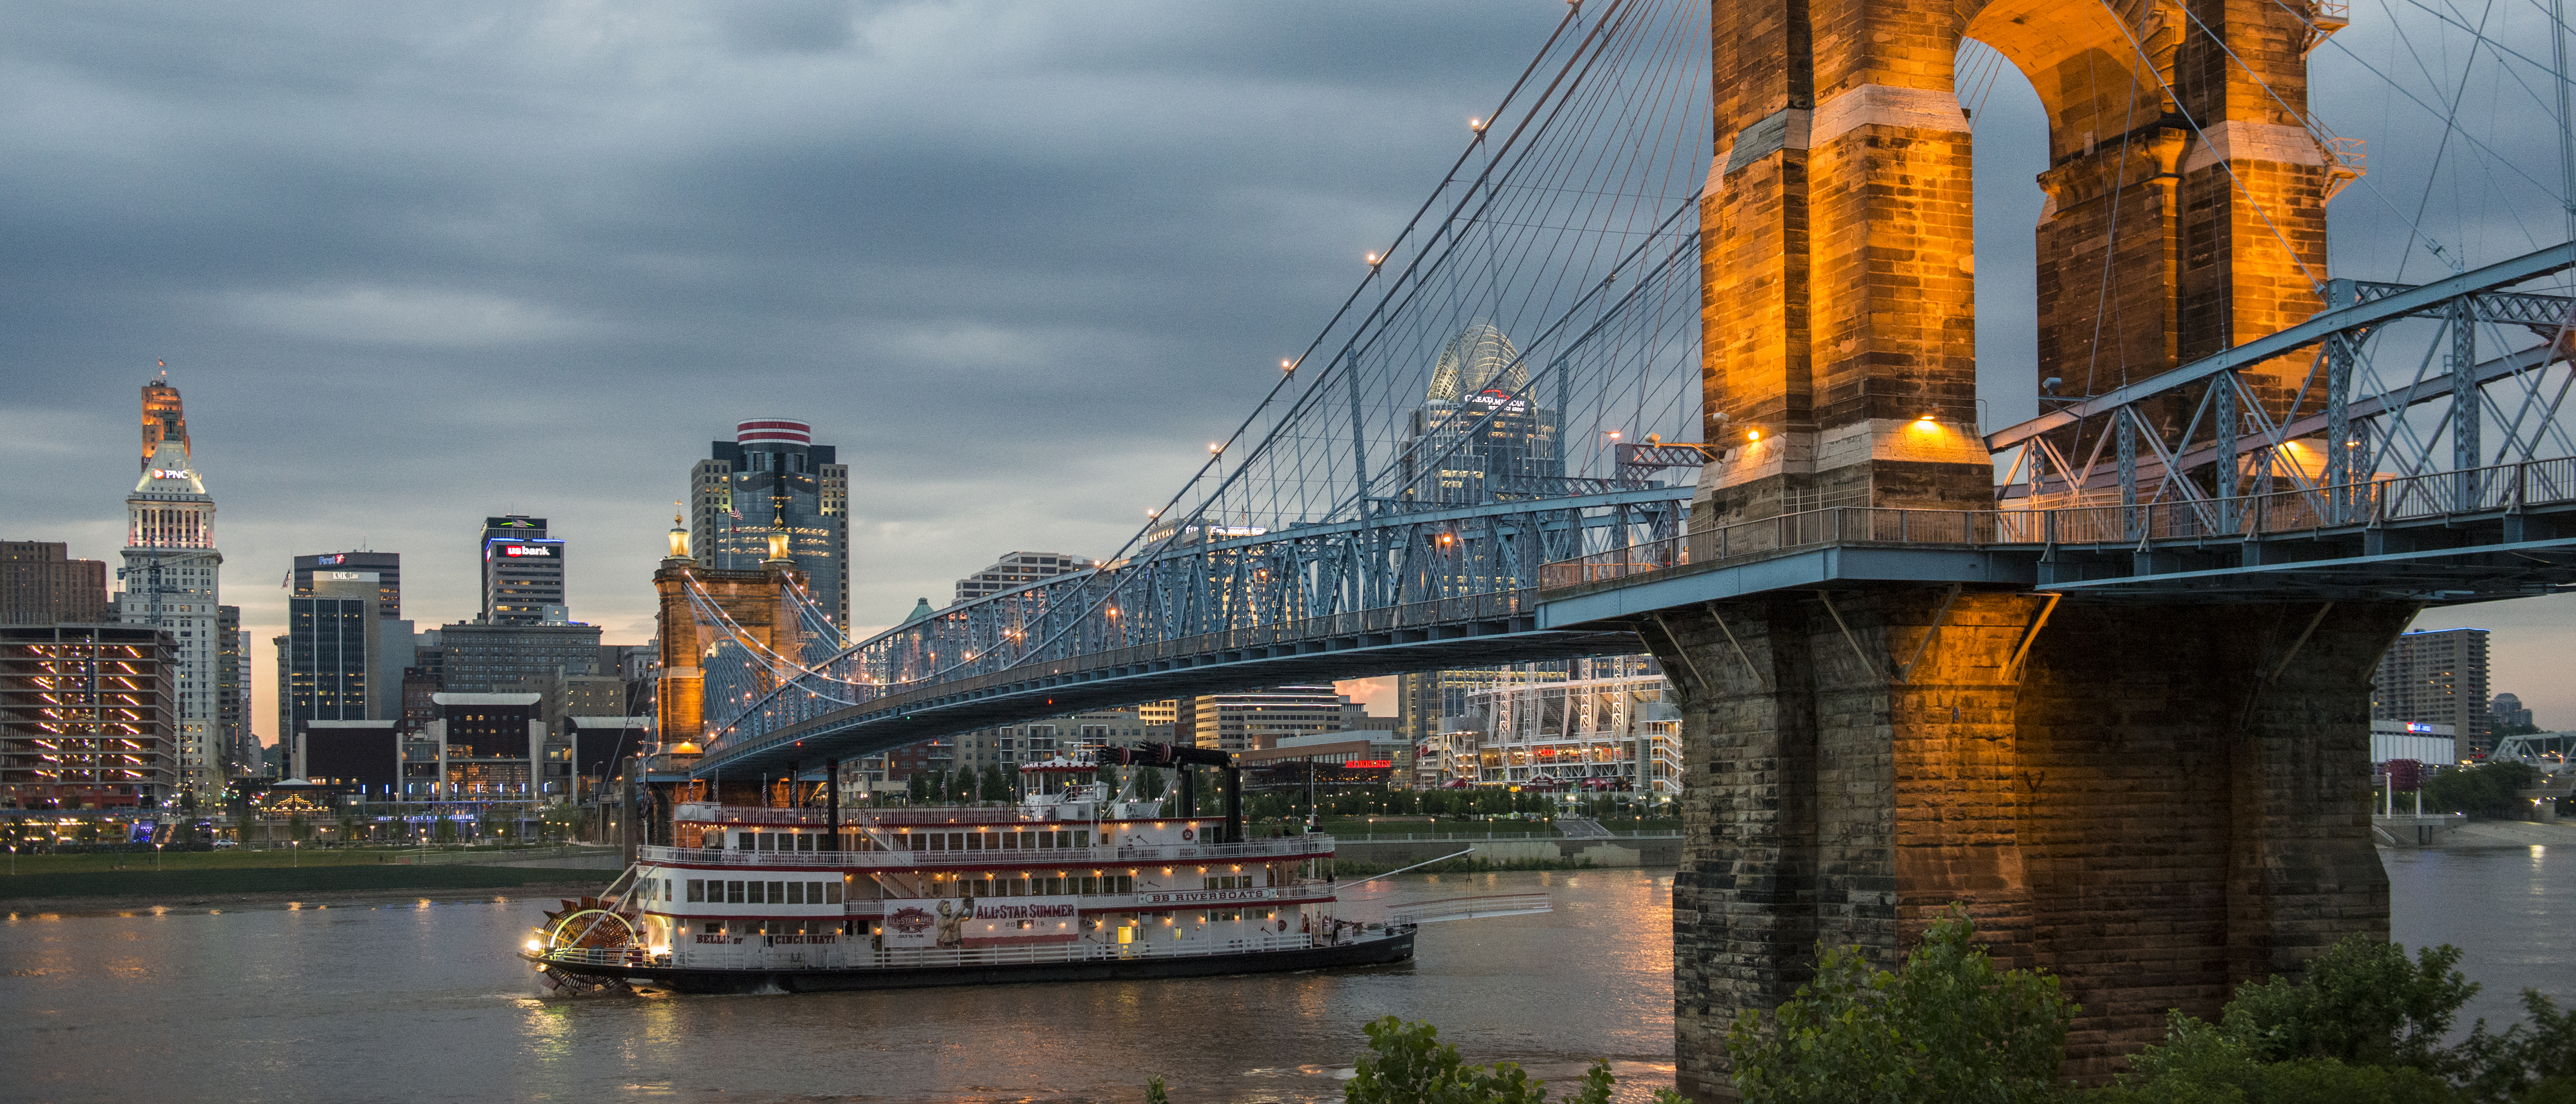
<point>415,1001</point>
<point>2506,908</point>
<point>420,1001</point>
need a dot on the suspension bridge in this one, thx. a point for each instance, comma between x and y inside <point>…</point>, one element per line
<point>1606,393</point>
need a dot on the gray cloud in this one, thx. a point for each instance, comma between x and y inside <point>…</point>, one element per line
<point>1019,260</point>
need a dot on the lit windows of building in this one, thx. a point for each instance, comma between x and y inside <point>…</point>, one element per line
<point>1015,570</point>
<point>88,716</point>
<point>171,580</point>
<point>773,479</point>
<point>2437,677</point>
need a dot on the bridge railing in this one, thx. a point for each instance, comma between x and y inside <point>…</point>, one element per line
<point>2376,502</point>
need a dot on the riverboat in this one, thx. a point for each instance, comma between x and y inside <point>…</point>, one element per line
<point>1073,883</point>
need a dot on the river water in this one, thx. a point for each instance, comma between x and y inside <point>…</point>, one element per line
<point>418,1000</point>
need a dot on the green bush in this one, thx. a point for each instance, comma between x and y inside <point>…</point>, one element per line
<point>1945,1027</point>
<point>2202,1063</point>
<point>2362,1003</point>
<point>2365,1024</point>
<point>2491,790</point>
<point>1407,1063</point>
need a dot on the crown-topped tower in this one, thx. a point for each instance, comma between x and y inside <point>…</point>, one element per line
<point>171,580</point>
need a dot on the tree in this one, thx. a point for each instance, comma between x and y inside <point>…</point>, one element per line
<point>297,828</point>
<point>918,787</point>
<point>2361,1003</point>
<point>2201,1063</point>
<point>996,787</point>
<point>1150,785</point>
<point>2489,790</point>
<point>1408,1064</point>
<point>1946,1026</point>
<point>2362,1026</point>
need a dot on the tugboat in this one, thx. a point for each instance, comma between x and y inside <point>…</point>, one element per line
<point>1074,883</point>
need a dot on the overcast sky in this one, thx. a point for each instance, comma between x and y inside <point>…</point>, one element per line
<point>414,266</point>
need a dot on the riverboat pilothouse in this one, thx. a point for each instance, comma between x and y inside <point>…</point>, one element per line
<point>1073,883</point>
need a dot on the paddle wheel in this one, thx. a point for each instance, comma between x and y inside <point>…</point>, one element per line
<point>587,930</point>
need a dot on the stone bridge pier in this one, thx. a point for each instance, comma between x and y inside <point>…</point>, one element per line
<point>2155,803</point>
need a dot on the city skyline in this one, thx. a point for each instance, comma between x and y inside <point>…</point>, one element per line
<point>545,298</point>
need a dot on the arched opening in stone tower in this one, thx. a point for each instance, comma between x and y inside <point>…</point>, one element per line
<point>2009,135</point>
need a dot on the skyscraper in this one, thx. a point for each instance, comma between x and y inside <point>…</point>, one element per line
<point>232,693</point>
<point>387,567</point>
<point>89,718</point>
<point>2437,677</point>
<point>171,581</point>
<point>1015,570</point>
<point>332,650</point>
<point>772,478</point>
<point>1479,435</point>
<point>341,659</point>
<point>40,584</point>
<point>523,572</point>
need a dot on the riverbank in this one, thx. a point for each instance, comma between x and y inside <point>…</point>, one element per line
<point>1547,853</point>
<point>552,884</point>
<point>195,888</point>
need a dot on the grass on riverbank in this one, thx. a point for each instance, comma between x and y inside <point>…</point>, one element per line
<point>185,884</point>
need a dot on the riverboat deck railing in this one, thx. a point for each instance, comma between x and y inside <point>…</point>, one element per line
<point>862,817</point>
<point>1277,847</point>
<point>1151,899</point>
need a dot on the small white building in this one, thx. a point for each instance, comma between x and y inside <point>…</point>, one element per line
<point>2431,744</point>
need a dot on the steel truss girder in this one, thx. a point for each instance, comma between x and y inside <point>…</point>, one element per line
<point>2232,438</point>
<point>1296,575</point>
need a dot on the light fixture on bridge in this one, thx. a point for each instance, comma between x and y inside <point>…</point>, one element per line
<point>1374,260</point>
<point>1215,447</point>
<point>1287,366</point>
<point>1611,434</point>
<point>1477,125</point>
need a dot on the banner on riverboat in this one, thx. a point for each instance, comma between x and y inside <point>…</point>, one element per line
<point>1020,921</point>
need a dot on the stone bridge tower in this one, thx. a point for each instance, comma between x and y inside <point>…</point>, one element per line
<point>759,602</point>
<point>2155,801</point>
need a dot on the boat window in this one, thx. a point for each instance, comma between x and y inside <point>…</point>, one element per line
<point>831,893</point>
<point>769,841</point>
<point>714,927</point>
<point>1082,838</point>
<point>777,892</point>
<point>743,840</point>
<point>804,842</point>
<point>1046,839</point>
<point>939,841</point>
<point>1054,888</point>
<point>733,893</point>
<point>697,889</point>
<point>795,893</point>
<point>956,841</point>
<point>975,842</point>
